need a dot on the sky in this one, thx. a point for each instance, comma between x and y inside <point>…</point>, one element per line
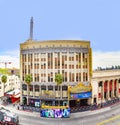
<point>95,20</point>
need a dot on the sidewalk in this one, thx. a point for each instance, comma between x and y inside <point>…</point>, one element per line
<point>87,113</point>
<point>93,112</point>
<point>25,112</point>
<point>72,115</point>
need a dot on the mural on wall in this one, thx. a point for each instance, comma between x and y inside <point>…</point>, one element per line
<point>55,113</point>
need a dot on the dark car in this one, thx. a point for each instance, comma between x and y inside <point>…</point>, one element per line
<point>8,118</point>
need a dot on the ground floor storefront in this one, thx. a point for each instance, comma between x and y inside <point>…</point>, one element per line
<point>79,102</point>
<point>78,106</point>
<point>80,97</point>
<point>35,102</point>
<point>72,104</point>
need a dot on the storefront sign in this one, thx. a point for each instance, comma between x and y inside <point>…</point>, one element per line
<point>37,104</point>
<point>81,95</point>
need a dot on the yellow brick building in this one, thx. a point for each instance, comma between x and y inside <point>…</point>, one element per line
<point>44,59</point>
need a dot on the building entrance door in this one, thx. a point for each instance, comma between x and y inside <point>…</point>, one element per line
<point>83,102</point>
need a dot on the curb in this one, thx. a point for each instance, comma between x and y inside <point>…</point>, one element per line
<point>72,115</point>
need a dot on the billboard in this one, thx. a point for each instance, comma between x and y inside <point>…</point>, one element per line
<point>80,95</point>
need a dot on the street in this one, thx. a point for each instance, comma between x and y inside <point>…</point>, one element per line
<point>111,117</point>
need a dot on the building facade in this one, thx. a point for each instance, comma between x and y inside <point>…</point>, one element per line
<point>13,82</point>
<point>44,59</point>
<point>106,85</point>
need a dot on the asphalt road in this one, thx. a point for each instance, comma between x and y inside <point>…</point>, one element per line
<point>111,117</point>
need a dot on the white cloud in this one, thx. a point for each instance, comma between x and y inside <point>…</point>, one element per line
<point>105,59</point>
<point>10,56</point>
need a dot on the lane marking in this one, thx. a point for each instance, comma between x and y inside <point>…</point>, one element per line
<point>109,120</point>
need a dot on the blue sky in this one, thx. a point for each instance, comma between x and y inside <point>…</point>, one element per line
<point>94,20</point>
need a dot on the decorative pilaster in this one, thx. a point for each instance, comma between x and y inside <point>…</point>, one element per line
<point>117,88</point>
<point>103,99</point>
<point>39,67</point>
<point>75,67</point>
<point>27,95</point>
<point>33,70</point>
<point>46,72</point>
<point>108,90</point>
<point>26,64</point>
<point>40,93</point>
<point>88,67</point>
<point>33,90</point>
<point>53,66</point>
<point>68,67</point>
<point>113,89</point>
<point>60,91</point>
<point>81,66</point>
<point>61,63</point>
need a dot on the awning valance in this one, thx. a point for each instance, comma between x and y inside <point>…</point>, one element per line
<point>17,96</point>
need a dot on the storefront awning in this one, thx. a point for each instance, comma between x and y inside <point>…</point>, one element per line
<point>17,96</point>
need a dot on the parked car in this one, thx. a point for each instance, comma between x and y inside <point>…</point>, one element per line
<point>8,118</point>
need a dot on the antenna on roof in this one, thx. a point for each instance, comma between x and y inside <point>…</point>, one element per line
<point>31,28</point>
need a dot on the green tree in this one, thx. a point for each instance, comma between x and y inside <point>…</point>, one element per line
<point>28,80</point>
<point>115,67</point>
<point>58,80</point>
<point>4,80</point>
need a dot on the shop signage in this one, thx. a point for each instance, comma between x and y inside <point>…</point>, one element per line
<point>81,95</point>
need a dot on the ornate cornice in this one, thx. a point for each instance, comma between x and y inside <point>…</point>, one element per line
<point>80,88</point>
<point>56,49</point>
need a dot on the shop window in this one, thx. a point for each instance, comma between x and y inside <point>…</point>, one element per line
<point>64,88</point>
<point>50,87</point>
<point>36,88</point>
<point>56,88</point>
<point>31,87</point>
<point>43,87</point>
<point>24,87</point>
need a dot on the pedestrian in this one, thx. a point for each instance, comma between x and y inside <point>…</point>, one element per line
<point>18,107</point>
<point>23,107</point>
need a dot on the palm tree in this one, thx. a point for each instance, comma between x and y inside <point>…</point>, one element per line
<point>58,80</point>
<point>4,80</point>
<point>28,80</point>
